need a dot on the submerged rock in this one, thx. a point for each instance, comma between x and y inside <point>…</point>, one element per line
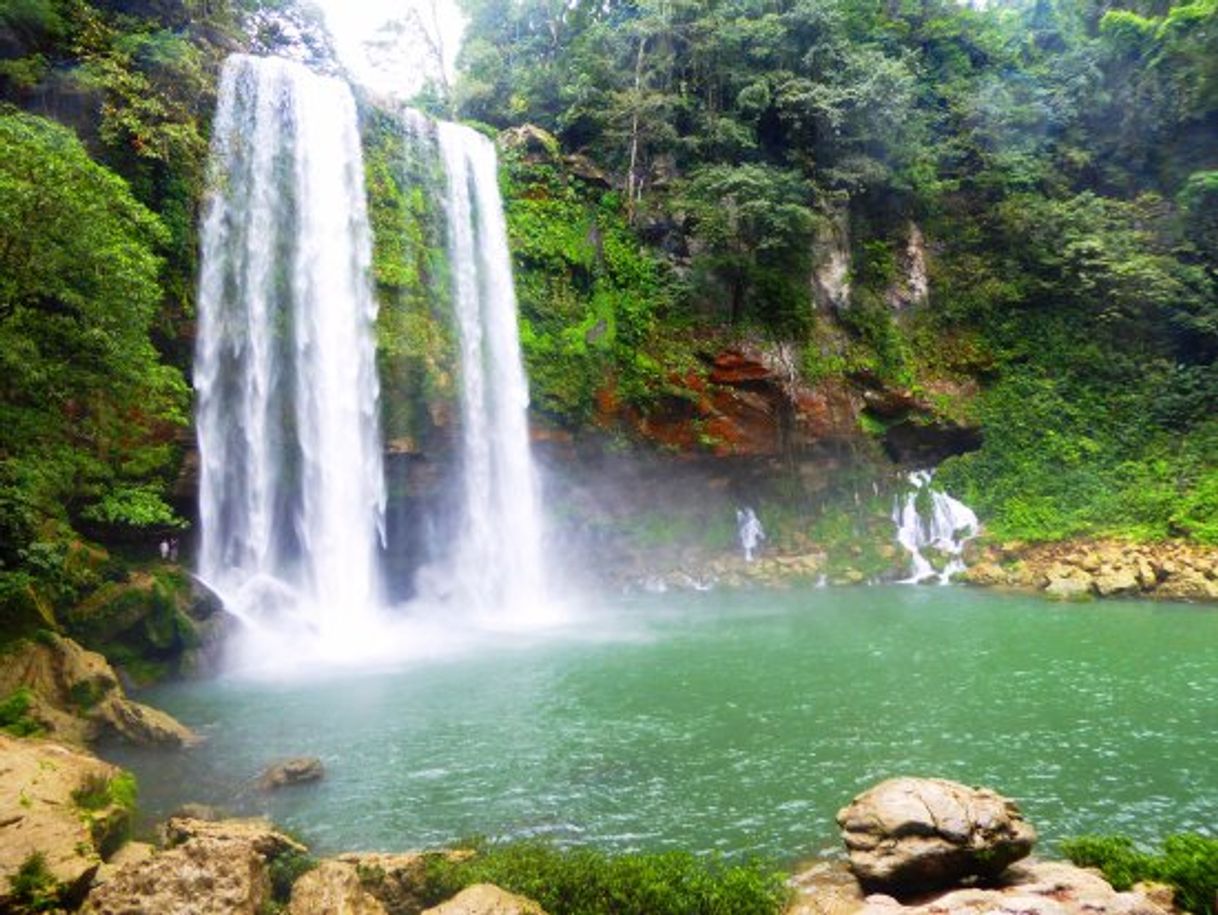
<point>486,899</point>
<point>54,802</point>
<point>296,771</point>
<point>79,697</point>
<point>910,835</point>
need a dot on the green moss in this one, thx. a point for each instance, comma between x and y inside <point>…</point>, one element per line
<point>14,714</point>
<point>33,888</point>
<point>98,792</point>
<point>285,869</point>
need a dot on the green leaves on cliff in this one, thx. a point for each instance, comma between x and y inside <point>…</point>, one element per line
<point>88,408</point>
<point>590,294</point>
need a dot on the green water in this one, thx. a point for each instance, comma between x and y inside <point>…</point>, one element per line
<point>736,722</point>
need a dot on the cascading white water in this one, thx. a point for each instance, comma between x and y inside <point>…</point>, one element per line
<point>945,527</point>
<point>292,491</point>
<point>498,560</point>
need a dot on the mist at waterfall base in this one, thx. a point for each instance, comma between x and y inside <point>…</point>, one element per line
<point>292,484</point>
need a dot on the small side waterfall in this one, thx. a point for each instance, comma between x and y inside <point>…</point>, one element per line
<point>498,561</point>
<point>929,519</point>
<point>749,531</point>
<point>292,490</point>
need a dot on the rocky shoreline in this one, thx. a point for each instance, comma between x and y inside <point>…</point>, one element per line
<point>1074,570</point>
<point>914,846</point>
<point>1085,569</point>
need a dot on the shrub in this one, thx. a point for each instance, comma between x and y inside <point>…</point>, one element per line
<point>1189,863</point>
<point>14,714</point>
<point>33,888</point>
<point>586,881</point>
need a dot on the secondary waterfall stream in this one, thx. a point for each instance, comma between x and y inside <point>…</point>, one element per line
<point>498,558</point>
<point>928,519</point>
<point>291,488</point>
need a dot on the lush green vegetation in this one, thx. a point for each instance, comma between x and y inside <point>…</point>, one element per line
<point>104,111</point>
<point>585,881</point>
<point>1058,158</point>
<point>1188,862</point>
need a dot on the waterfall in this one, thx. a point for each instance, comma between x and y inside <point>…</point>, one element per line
<point>944,525</point>
<point>292,488</point>
<point>498,557</point>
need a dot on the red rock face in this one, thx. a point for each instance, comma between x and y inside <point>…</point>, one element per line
<point>740,407</point>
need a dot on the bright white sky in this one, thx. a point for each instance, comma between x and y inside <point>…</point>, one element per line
<point>380,59</point>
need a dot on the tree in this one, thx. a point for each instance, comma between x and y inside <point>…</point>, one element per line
<point>754,222</point>
<point>87,407</point>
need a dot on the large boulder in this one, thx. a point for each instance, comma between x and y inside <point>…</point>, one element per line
<point>55,803</point>
<point>78,696</point>
<point>333,888</point>
<point>209,868</point>
<point>486,899</point>
<point>396,880</point>
<point>910,835</point>
<point>204,876</point>
<point>1027,888</point>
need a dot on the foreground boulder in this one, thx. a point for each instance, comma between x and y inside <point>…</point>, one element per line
<point>297,771</point>
<point>333,888</point>
<point>1027,888</point>
<point>56,808</point>
<point>486,899</point>
<point>909,835</point>
<point>77,696</point>
<point>211,868</point>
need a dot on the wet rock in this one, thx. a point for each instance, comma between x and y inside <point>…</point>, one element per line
<point>909,835</point>
<point>1117,581</point>
<point>985,574</point>
<point>333,888</point>
<point>299,770</point>
<point>40,782</point>
<point>80,697</point>
<point>486,899</point>
<point>1074,585</point>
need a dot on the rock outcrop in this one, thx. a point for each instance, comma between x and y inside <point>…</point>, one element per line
<point>209,868</point>
<point>299,770</point>
<point>486,899</point>
<point>1081,569</point>
<point>78,696</point>
<point>54,803</point>
<point>333,888</point>
<point>909,835</point>
<point>396,880</point>
<point>1028,888</point>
